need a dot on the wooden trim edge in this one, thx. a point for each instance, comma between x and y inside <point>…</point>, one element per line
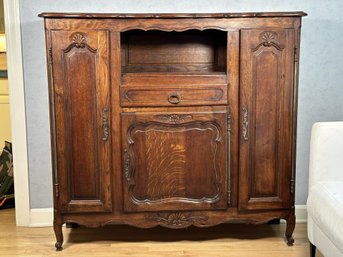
<point>170,15</point>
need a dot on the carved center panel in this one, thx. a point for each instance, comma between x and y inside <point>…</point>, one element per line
<point>173,160</point>
<point>164,160</point>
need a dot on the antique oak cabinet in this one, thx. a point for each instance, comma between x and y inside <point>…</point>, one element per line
<point>173,119</point>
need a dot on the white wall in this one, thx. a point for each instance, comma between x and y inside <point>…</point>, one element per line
<point>320,96</point>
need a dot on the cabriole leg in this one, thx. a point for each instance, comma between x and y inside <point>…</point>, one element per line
<point>58,233</point>
<point>289,229</point>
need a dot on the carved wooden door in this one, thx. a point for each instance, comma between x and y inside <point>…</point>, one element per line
<point>266,111</point>
<point>80,106</point>
<point>174,161</point>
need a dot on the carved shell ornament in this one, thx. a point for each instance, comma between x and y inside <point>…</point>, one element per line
<point>178,219</point>
<point>268,38</point>
<point>175,118</point>
<point>79,39</point>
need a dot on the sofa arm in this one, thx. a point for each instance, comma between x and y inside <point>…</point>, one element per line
<point>326,152</point>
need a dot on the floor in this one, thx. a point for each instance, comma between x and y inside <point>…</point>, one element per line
<point>225,240</point>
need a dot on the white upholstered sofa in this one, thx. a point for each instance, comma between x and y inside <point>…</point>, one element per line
<point>325,199</point>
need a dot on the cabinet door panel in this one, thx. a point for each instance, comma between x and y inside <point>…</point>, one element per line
<point>266,115</point>
<point>81,100</point>
<point>174,161</point>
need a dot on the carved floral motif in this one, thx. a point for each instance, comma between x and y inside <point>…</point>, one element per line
<point>179,219</point>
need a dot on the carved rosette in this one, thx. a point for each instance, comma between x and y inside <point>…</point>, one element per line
<point>178,219</point>
<point>174,118</point>
<point>79,39</point>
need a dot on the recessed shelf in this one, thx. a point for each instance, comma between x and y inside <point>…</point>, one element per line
<point>183,53</point>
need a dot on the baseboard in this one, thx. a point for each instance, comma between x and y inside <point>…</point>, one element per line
<point>43,217</point>
<point>301,213</point>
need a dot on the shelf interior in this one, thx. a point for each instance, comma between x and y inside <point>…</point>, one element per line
<point>184,53</point>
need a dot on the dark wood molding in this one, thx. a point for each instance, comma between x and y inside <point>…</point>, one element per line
<point>170,15</point>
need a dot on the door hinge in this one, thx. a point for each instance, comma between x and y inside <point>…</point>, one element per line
<point>229,123</point>
<point>292,186</point>
<point>50,56</point>
<point>229,196</point>
<point>53,120</point>
<point>295,54</point>
<point>57,190</point>
<point>228,158</point>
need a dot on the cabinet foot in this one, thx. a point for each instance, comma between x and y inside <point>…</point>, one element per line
<point>58,234</point>
<point>290,241</point>
<point>289,229</point>
<point>58,246</point>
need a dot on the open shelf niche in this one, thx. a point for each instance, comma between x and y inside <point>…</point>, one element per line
<point>190,52</point>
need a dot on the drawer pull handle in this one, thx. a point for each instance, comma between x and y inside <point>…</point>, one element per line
<point>174,98</point>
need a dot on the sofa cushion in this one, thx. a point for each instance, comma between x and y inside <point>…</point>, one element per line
<point>325,205</point>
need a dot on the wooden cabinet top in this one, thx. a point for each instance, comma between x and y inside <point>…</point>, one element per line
<point>170,15</point>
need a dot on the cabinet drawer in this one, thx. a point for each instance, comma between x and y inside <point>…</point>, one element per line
<point>174,96</point>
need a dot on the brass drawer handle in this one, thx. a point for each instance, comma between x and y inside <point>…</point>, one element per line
<point>174,98</point>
